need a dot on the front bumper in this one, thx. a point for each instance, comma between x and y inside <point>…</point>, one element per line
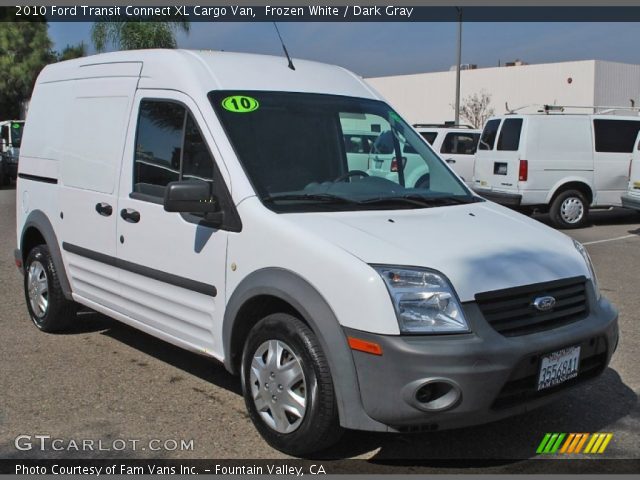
<point>17,256</point>
<point>495,376</point>
<point>630,201</point>
<point>506,199</point>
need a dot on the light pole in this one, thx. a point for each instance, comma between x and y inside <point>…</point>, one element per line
<point>458,65</point>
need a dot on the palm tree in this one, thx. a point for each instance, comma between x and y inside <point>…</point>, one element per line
<point>134,34</point>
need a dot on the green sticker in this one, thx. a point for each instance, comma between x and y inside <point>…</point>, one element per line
<point>16,125</point>
<point>240,104</point>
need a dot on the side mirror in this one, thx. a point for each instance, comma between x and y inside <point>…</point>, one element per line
<point>192,197</point>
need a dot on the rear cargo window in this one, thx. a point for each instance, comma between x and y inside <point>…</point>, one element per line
<point>460,143</point>
<point>615,136</point>
<point>510,135</point>
<point>488,137</point>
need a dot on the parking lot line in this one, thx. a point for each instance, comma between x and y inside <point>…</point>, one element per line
<point>611,239</point>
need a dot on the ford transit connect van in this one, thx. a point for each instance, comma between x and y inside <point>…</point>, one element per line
<point>205,198</point>
<point>561,163</point>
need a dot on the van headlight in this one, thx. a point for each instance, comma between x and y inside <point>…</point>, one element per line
<point>424,300</point>
<point>592,272</point>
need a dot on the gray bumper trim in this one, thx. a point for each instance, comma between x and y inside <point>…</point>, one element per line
<point>480,364</point>
<point>17,256</point>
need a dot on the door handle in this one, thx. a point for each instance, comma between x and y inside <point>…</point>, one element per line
<point>104,209</point>
<point>450,160</point>
<point>130,215</point>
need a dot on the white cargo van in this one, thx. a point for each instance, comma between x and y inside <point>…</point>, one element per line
<point>10,139</point>
<point>457,144</point>
<point>563,163</point>
<point>206,198</point>
<point>631,198</point>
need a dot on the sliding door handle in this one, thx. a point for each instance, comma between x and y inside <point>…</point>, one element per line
<point>104,209</point>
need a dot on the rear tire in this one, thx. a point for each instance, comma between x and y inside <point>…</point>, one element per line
<point>570,209</point>
<point>287,386</point>
<point>48,308</point>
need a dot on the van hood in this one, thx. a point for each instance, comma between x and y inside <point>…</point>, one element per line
<point>480,247</point>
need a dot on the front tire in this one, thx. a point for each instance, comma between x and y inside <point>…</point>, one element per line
<point>570,209</point>
<point>48,308</point>
<point>287,386</point>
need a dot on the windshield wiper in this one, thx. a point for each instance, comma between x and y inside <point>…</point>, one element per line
<point>314,197</point>
<point>421,201</point>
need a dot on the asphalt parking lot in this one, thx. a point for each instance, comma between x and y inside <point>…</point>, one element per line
<point>106,381</point>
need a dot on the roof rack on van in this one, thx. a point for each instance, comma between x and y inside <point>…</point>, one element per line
<point>597,109</point>
<point>442,125</point>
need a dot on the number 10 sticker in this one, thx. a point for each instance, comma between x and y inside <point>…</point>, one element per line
<point>240,104</point>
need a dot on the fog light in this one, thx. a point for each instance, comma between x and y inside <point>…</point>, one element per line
<point>436,395</point>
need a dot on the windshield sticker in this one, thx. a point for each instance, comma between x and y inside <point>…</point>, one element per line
<point>240,104</point>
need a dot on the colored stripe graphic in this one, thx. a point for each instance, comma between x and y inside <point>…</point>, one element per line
<point>551,443</point>
<point>592,440</point>
<point>581,443</point>
<point>543,443</point>
<point>604,445</point>
<point>574,442</point>
<point>567,443</point>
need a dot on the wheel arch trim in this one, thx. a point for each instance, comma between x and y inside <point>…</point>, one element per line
<point>38,219</point>
<point>318,315</point>
<point>566,183</point>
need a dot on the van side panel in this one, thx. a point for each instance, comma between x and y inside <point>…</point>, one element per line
<point>559,150</point>
<point>94,137</point>
<point>96,127</point>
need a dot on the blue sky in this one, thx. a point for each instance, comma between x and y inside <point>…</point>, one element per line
<point>376,49</point>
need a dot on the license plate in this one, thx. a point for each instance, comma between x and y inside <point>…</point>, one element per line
<point>558,367</point>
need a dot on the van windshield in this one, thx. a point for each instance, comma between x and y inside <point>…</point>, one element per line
<point>297,150</point>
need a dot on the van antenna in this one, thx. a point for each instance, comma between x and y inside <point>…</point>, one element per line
<point>284,47</point>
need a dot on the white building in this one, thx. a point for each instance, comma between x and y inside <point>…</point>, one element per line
<point>430,97</point>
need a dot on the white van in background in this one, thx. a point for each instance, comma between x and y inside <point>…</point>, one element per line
<point>456,144</point>
<point>10,139</point>
<point>631,198</point>
<point>561,163</point>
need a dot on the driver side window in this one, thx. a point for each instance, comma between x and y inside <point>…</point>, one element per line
<point>169,147</point>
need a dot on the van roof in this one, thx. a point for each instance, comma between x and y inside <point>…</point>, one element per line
<point>212,70</point>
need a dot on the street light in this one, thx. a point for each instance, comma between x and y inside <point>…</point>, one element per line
<point>458,65</point>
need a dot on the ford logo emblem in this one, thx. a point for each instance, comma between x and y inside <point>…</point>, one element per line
<point>544,304</point>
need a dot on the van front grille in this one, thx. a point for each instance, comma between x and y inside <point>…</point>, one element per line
<point>512,312</point>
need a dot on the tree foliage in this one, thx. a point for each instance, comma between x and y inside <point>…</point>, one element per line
<point>72,51</point>
<point>25,48</point>
<point>131,35</point>
<point>476,109</point>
